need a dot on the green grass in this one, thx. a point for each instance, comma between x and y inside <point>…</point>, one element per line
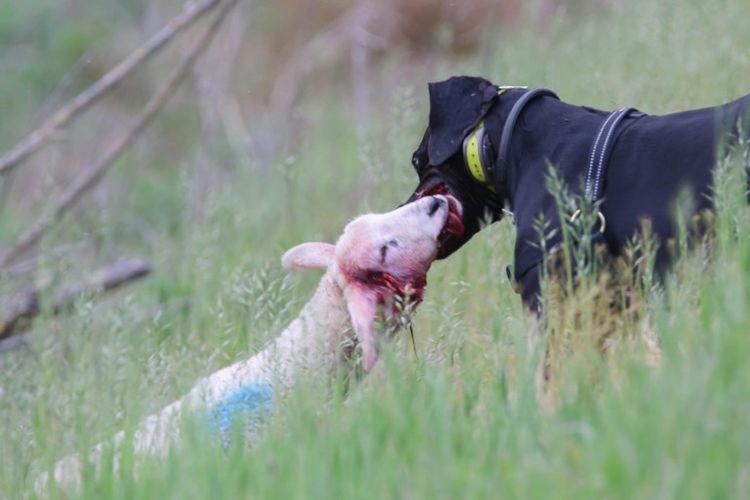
<point>462,421</point>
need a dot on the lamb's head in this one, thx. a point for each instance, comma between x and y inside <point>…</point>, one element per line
<point>380,258</point>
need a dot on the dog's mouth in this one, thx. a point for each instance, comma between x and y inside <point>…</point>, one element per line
<point>454,225</point>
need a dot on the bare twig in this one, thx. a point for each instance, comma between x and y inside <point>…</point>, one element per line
<point>12,343</point>
<point>23,307</point>
<point>32,142</point>
<point>94,172</point>
<point>174,306</point>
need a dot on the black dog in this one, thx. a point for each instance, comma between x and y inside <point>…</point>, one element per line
<point>491,147</point>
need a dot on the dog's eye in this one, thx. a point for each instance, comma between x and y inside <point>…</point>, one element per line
<point>393,243</point>
<point>416,163</point>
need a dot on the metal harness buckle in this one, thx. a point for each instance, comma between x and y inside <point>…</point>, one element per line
<point>600,216</point>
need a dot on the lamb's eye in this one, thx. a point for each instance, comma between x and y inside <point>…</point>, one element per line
<point>383,252</point>
<point>384,249</point>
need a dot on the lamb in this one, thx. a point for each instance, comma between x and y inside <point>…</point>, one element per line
<point>379,261</point>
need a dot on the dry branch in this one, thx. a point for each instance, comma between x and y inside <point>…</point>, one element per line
<point>36,139</point>
<point>94,172</point>
<point>16,316</point>
<point>14,342</point>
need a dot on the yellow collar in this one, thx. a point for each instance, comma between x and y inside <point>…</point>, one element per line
<point>474,144</point>
<point>472,154</point>
<point>477,148</point>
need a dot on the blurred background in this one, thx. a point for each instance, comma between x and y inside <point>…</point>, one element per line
<point>282,85</point>
<point>299,115</point>
<point>277,79</point>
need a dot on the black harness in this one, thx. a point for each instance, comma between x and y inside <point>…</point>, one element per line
<point>477,148</point>
<point>494,174</point>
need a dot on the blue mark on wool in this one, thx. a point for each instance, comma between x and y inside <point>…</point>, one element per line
<point>244,407</point>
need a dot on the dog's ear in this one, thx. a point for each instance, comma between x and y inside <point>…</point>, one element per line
<point>456,106</point>
<point>313,255</point>
<point>362,304</point>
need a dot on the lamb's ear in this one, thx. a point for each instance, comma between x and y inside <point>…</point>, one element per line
<point>362,305</point>
<point>313,255</point>
<point>456,106</point>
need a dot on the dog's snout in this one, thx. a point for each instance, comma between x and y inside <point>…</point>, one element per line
<point>435,205</point>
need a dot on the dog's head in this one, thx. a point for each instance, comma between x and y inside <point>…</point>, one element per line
<point>379,258</point>
<point>457,106</point>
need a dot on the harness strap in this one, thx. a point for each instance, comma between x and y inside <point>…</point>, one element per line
<point>502,163</point>
<point>601,150</point>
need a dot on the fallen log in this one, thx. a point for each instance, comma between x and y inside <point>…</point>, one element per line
<point>20,310</point>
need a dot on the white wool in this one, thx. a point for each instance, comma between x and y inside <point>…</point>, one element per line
<point>339,315</point>
<point>306,345</point>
